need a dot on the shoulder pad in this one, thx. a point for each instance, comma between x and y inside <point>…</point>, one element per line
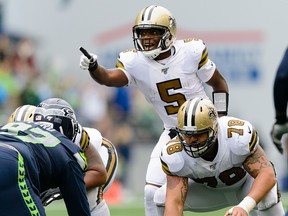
<point>129,50</point>
<point>95,137</point>
<point>171,157</point>
<point>241,135</point>
<point>199,49</point>
<point>190,39</point>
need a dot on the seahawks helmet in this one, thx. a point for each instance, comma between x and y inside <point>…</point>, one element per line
<point>155,17</point>
<point>59,114</point>
<point>197,116</point>
<point>23,113</point>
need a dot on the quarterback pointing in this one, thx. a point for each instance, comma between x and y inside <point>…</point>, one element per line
<point>216,163</point>
<point>168,72</point>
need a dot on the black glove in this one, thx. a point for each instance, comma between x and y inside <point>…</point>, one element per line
<point>277,132</point>
<point>50,195</point>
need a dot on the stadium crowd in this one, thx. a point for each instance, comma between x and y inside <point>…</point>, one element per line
<point>24,80</point>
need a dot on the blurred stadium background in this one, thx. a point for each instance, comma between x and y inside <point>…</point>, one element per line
<point>39,58</point>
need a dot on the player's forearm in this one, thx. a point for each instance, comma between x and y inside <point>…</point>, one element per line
<point>100,75</point>
<point>281,98</point>
<point>173,210</point>
<point>95,178</point>
<point>176,192</point>
<point>262,184</point>
<point>96,174</point>
<point>174,204</point>
<point>218,83</point>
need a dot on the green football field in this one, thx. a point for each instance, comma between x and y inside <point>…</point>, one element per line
<point>130,209</point>
<point>134,208</point>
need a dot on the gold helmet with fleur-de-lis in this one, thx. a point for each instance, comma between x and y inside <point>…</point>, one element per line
<point>23,113</point>
<point>155,17</point>
<point>197,116</point>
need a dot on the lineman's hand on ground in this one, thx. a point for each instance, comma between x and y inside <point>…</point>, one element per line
<point>50,195</point>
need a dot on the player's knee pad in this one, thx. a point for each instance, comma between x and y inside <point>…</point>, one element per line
<point>150,207</point>
<point>149,192</point>
<point>276,209</point>
<point>271,199</point>
<point>101,209</point>
<point>160,196</point>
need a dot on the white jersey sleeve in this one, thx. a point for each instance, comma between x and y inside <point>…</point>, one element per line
<point>95,137</point>
<point>239,136</point>
<point>171,157</point>
<point>125,60</point>
<point>86,136</point>
<point>199,56</point>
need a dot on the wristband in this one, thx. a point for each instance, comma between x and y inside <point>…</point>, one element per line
<point>248,203</point>
<point>93,66</point>
<point>220,100</point>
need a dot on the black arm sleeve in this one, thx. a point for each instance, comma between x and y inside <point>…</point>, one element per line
<point>280,90</point>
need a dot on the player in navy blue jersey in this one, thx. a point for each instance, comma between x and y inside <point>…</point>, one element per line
<point>280,96</point>
<point>87,139</point>
<point>58,114</point>
<point>34,158</point>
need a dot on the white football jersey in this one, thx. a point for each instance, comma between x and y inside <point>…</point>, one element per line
<point>237,139</point>
<point>88,134</point>
<point>95,137</point>
<point>170,82</point>
<point>109,156</point>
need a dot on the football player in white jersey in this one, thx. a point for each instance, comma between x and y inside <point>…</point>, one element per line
<point>84,138</point>
<point>216,163</point>
<point>168,72</point>
<point>109,157</point>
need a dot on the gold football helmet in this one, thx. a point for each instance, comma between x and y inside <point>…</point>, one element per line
<point>155,17</point>
<point>197,116</point>
<point>23,113</point>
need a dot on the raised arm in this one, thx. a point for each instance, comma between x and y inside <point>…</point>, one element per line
<point>113,77</point>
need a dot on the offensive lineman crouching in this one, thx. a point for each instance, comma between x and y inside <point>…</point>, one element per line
<point>216,163</point>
